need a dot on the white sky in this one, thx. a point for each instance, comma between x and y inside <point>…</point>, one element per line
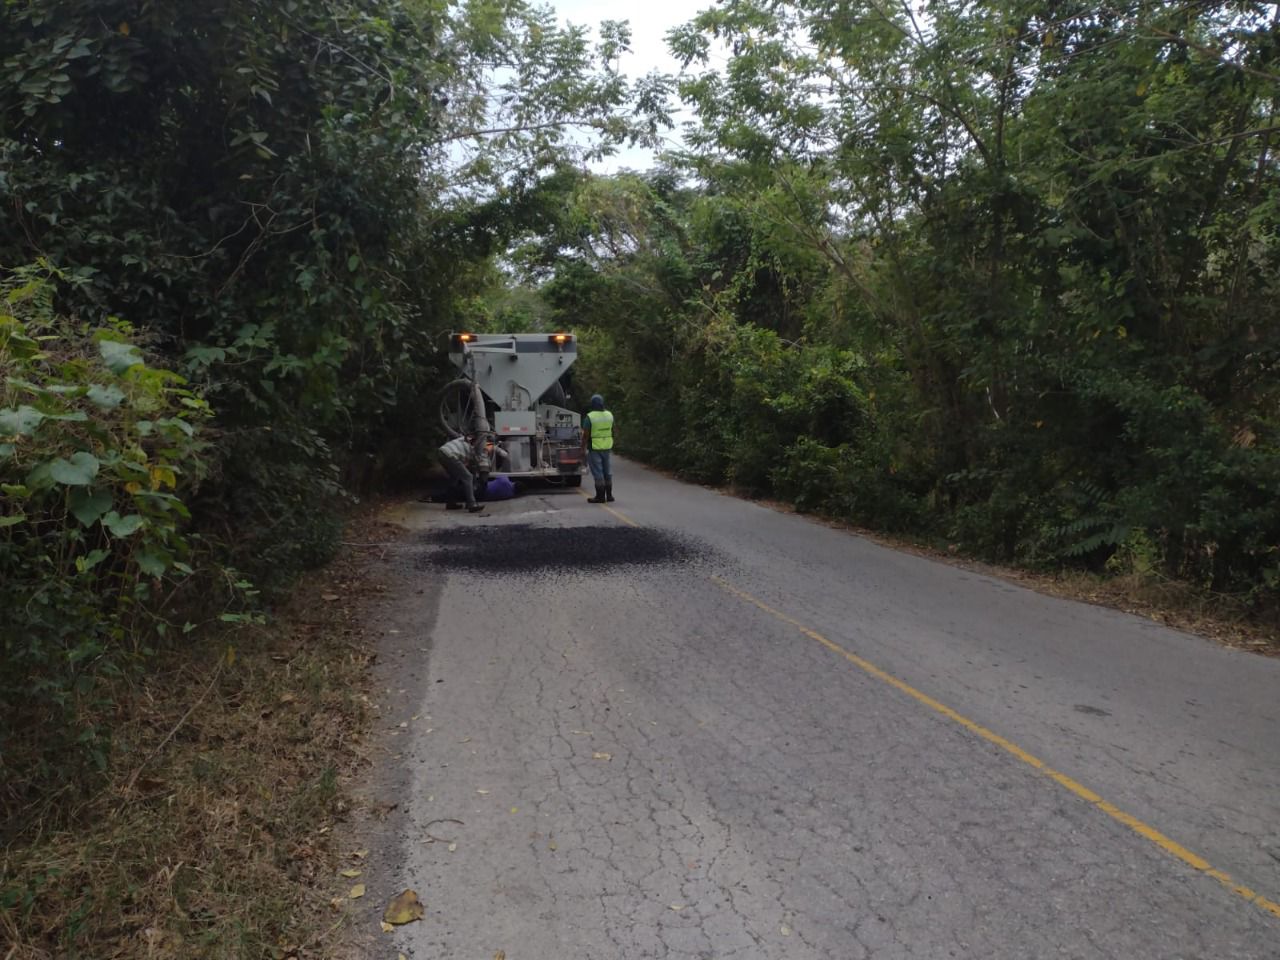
<point>650,22</point>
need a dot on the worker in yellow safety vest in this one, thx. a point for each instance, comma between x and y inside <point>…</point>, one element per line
<point>597,444</point>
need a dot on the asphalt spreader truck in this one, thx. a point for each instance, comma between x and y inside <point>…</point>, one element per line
<point>511,396</point>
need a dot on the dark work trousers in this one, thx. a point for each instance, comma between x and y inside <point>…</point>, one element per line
<point>458,471</point>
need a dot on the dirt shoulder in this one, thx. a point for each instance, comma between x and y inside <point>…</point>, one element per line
<point>216,835</point>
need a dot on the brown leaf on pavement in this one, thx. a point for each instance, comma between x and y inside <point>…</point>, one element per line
<point>404,909</point>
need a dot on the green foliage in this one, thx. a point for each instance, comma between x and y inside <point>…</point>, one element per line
<point>100,453</point>
<point>1047,244</point>
<point>291,203</point>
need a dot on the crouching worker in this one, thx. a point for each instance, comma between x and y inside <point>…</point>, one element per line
<point>458,457</point>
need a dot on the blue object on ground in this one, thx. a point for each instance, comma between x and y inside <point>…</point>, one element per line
<point>500,488</point>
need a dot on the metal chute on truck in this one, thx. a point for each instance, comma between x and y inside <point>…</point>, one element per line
<point>510,395</point>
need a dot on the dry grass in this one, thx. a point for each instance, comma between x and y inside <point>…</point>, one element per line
<point>212,837</point>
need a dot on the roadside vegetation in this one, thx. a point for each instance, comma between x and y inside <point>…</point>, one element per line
<point>232,237</point>
<point>999,280</point>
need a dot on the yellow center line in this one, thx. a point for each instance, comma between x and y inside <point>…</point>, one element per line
<point>617,513</point>
<point>1133,823</point>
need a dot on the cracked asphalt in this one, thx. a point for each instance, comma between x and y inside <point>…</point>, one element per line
<point>646,765</point>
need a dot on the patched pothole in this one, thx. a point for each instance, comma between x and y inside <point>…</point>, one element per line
<point>529,548</point>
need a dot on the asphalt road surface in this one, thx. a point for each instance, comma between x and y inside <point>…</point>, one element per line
<point>691,727</point>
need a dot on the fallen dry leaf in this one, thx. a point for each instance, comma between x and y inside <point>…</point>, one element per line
<point>784,930</point>
<point>150,784</point>
<point>483,793</point>
<point>386,927</point>
<point>286,699</point>
<point>359,854</point>
<point>677,907</point>
<point>601,755</point>
<point>329,597</point>
<point>351,873</point>
<point>357,891</point>
<point>500,955</point>
<point>404,909</point>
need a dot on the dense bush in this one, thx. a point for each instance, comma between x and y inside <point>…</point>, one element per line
<point>99,453</point>
<point>1049,428</point>
<point>290,203</point>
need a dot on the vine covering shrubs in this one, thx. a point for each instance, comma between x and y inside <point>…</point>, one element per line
<point>99,452</point>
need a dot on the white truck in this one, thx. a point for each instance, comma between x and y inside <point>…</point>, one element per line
<point>511,395</point>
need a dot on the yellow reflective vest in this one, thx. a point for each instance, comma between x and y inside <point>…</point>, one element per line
<point>600,423</point>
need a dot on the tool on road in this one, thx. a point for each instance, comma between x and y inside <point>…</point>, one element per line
<point>511,397</point>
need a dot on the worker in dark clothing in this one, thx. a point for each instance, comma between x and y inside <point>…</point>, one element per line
<point>458,456</point>
<point>597,444</point>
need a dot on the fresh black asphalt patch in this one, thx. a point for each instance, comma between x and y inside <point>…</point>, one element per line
<point>529,548</point>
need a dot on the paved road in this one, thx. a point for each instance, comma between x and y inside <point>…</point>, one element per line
<point>798,744</point>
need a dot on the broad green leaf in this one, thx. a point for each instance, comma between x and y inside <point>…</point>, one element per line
<point>151,563</point>
<point>205,356</point>
<point>88,505</point>
<point>39,478</point>
<point>123,526</point>
<point>119,357</point>
<point>6,450</point>
<point>91,560</point>
<point>12,521</point>
<point>108,398</point>
<point>21,421</point>
<point>77,471</point>
<point>174,422</point>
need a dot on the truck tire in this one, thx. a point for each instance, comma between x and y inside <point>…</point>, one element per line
<point>573,481</point>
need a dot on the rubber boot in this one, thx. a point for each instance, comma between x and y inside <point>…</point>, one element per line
<point>608,491</point>
<point>599,497</point>
<point>475,507</point>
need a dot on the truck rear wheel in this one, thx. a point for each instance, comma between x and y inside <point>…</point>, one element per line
<point>573,481</point>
